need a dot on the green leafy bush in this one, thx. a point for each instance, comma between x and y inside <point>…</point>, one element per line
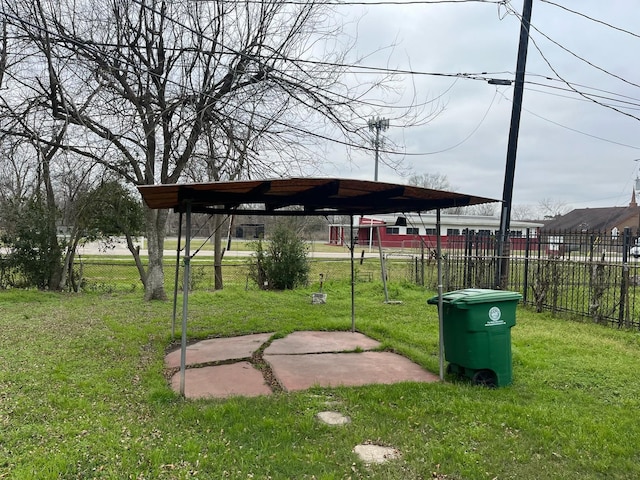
<point>282,264</point>
<point>33,251</point>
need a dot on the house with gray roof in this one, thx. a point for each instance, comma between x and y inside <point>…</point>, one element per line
<point>609,219</point>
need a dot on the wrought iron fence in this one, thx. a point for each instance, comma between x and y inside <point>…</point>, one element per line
<point>593,275</point>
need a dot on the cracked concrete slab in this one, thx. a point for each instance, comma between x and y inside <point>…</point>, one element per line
<point>320,342</point>
<point>222,381</point>
<point>300,372</point>
<point>219,350</point>
<point>299,361</point>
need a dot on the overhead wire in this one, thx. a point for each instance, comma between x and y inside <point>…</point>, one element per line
<point>606,24</point>
<point>477,76</point>
<point>572,88</point>
<point>578,99</point>
<point>569,84</point>
<point>475,129</point>
<point>482,76</point>
<point>635,147</point>
<point>373,2</point>
<point>591,64</point>
<point>631,104</point>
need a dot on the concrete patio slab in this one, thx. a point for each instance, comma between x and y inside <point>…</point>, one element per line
<point>320,342</point>
<point>297,362</point>
<point>222,381</point>
<point>218,350</point>
<point>300,372</point>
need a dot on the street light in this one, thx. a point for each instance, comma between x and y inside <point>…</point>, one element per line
<point>377,124</point>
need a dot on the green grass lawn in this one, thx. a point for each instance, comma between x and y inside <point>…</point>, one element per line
<point>82,395</point>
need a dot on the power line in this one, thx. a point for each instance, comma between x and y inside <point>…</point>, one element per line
<point>591,64</point>
<point>457,144</point>
<point>571,87</point>
<point>483,76</point>
<point>575,84</point>
<point>628,32</point>
<point>574,129</point>
<point>590,97</point>
<point>374,3</point>
<point>568,84</point>
<point>569,97</point>
<point>478,76</point>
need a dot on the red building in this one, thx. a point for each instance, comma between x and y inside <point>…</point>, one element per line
<point>416,231</point>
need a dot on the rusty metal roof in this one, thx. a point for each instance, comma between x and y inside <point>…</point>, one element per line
<point>302,196</point>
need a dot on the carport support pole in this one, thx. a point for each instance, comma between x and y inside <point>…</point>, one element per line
<point>353,280</point>
<point>383,268</point>
<point>185,299</point>
<point>440,314</point>
<point>175,283</point>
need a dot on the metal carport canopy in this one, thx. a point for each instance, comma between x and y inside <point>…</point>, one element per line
<point>316,196</point>
<point>300,196</point>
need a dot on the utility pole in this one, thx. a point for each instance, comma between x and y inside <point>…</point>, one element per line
<point>502,264</point>
<point>377,124</point>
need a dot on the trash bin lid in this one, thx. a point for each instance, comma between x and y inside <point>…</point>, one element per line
<point>470,296</point>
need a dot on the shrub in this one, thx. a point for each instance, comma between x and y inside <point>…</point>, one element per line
<point>283,263</point>
<point>34,253</point>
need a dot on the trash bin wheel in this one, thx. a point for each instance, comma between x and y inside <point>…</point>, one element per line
<point>453,369</point>
<point>485,378</point>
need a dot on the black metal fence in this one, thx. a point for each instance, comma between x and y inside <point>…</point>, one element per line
<point>592,275</point>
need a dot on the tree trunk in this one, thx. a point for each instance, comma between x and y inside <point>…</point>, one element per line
<point>218,252</point>
<point>135,251</point>
<point>69,257</point>
<point>54,254</point>
<point>156,222</point>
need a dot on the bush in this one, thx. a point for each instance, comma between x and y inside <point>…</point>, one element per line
<point>283,264</point>
<point>34,254</point>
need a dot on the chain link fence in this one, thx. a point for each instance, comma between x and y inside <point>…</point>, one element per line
<point>591,275</point>
<point>106,275</point>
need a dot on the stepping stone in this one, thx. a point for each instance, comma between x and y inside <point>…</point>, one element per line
<point>376,453</point>
<point>333,418</point>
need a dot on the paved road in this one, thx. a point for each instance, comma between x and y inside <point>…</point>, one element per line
<point>95,248</point>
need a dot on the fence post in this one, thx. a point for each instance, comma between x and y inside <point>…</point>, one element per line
<point>527,248</point>
<point>468,242</point>
<point>506,252</point>
<point>422,263</point>
<point>624,283</point>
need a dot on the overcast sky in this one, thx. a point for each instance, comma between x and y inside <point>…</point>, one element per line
<point>570,149</point>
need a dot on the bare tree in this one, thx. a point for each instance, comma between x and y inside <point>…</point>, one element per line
<point>138,85</point>
<point>523,212</point>
<point>550,208</point>
<point>435,181</point>
<point>17,172</point>
<point>485,209</point>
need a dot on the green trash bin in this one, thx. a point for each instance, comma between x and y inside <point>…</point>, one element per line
<point>477,333</point>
